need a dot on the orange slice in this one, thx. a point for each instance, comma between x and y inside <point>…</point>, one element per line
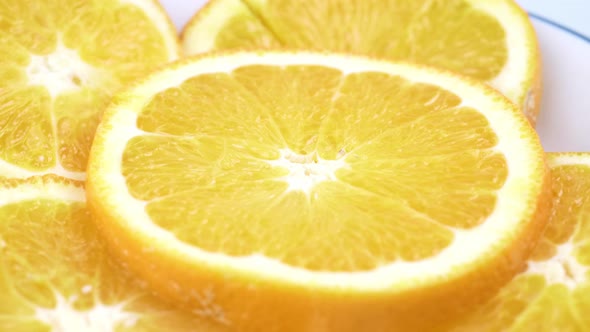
<point>62,60</point>
<point>553,293</point>
<point>55,275</point>
<point>314,191</point>
<point>492,41</point>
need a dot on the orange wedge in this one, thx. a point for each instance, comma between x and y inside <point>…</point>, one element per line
<point>55,275</point>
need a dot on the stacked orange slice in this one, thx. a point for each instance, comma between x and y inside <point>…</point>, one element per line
<point>552,292</point>
<point>62,60</point>
<point>55,274</point>
<point>309,191</point>
<point>492,41</point>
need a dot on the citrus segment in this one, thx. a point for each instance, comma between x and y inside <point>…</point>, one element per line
<point>55,274</point>
<point>461,207</point>
<point>62,61</point>
<point>297,118</point>
<point>301,184</point>
<point>492,41</point>
<point>180,121</point>
<point>552,293</point>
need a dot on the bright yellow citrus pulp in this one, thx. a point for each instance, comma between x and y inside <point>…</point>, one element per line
<point>55,275</point>
<point>303,190</point>
<point>553,293</point>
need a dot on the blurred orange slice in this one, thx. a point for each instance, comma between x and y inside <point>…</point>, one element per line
<point>553,293</point>
<point>489,40</point>
<point>62,60</point>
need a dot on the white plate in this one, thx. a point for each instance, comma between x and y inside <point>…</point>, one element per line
<point>564,122</point>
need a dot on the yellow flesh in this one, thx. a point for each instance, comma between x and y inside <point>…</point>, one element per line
<point>55,276</point>
<point>61,61</point>
<point>449,34</point>
<point>559,298</point>
<point>392,167</point>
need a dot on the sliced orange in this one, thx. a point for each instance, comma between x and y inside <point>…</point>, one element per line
<point>553,293</point>
<point>62,60</point>
<point>309,191</point>
<point>55,275</point>
<point>489,40</point>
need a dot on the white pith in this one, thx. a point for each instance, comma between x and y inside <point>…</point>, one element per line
<point>305,171</point>
<point>47,190</point>
<point>562,268</point>
<point>12,171</point>
<point>60,71</point>
<point>564,159</point>
<point>513,81</point>
<point>64,317</point>
<point>512,212</point>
